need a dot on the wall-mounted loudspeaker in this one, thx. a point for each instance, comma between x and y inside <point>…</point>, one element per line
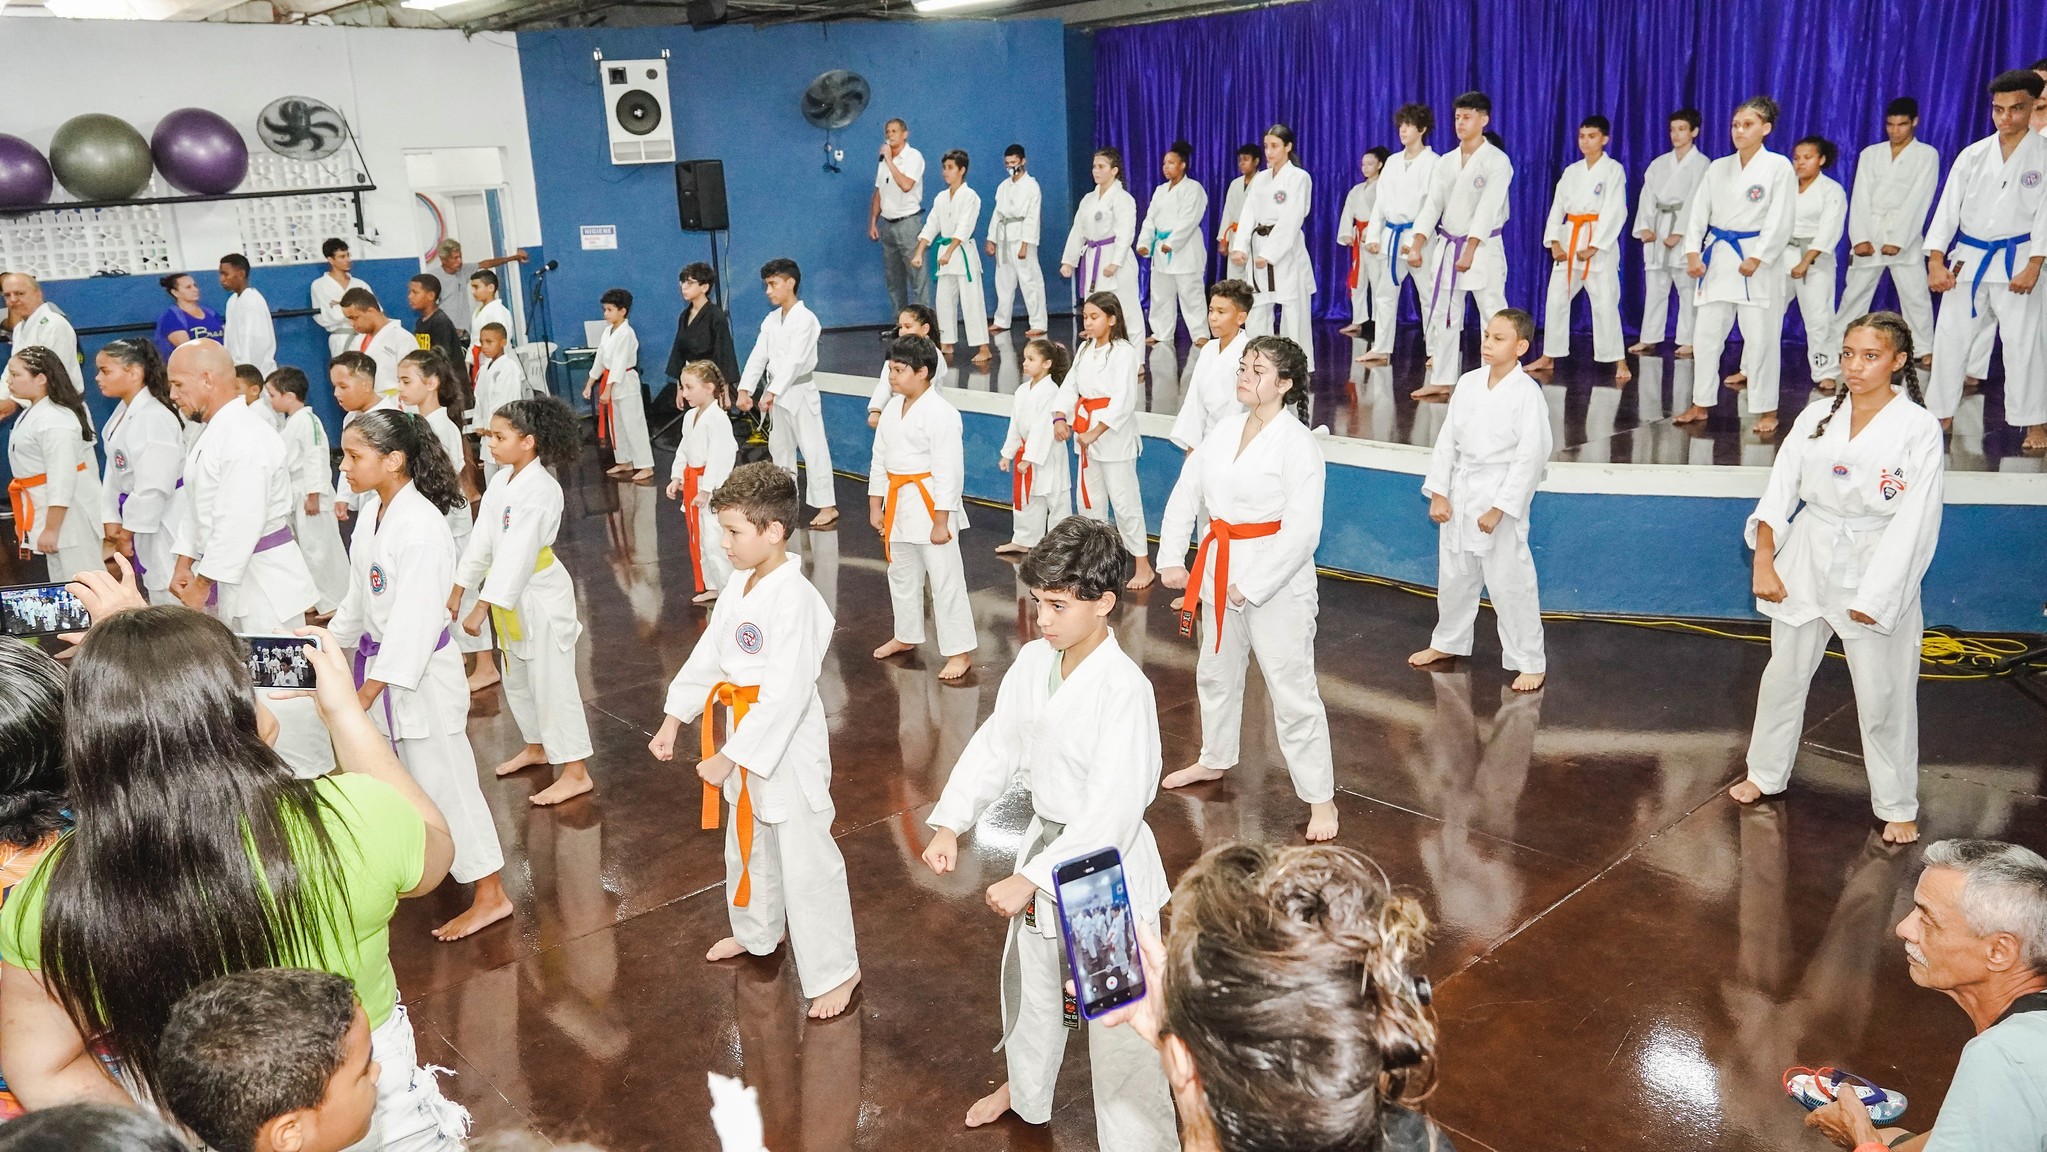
<point>700,196</point>
<point>636,111</point>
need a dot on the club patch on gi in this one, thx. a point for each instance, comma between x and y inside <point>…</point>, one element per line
<point>748,637</point>
<point>1098,214</point>
<point>2030,179</point>
<point>378,581</point>
<point>1755,193</point>
<point>1599,189</point>
<point>1891,482</point>
<point>120,460</point>
<point>1841,471</point>
<point>508,519</point>
<point>1478,182</point>
<point>1279,197</point>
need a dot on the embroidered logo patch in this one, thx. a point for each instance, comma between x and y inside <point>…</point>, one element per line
<point>1279,197</point>
<point>120,460</point>
<point>378,581</point>
<point>508,520</point>
<point>2030,179</point>
<point>1755,193</point>
<point>1599,189</point>
<point>1841,471</point>
<point>1098,215</point>
<point>1891,482</point>
<point>1478,182</point>
<point>749,638</point>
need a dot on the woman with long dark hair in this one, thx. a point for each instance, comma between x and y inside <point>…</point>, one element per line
<point>186,318</point>
<point>145,442</point>
<point>33,787</point>
<point>55,493</point>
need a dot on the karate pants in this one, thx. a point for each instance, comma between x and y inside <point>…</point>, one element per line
<point>1361,299</point>
<point>1112,485</point>
<point>1124,285</point>
<point>799,890</point>
<point>1507,571</point>
<point>1133,1104</point>
<point>898,242</point>
<point>908,567</point>
<point>411,1113</point>
<point>1762,327</point>
<point>1296,322</point>
<point>153,551</point>
<point>710,544</point>
<point>1915,301</point>
<point>1012,274</point>
<point>1602,289</point>
<point>2016,320</point>
<point>319,538</point>
<point>1030,523</point>
<point>1815,298</point>
<point>445,767</point>
<point>956,295</point>
<point>1885,672</point>
<point>1281,632</point>
<point>630,444</point>
<point>1445,332</point>
<point>545,698</point>
<point>1182,292</point>
<point>1658,280</point>
<point>69,561</point>
<point>798,428</point>
<point>302,740</point>
<point>1386,298</point>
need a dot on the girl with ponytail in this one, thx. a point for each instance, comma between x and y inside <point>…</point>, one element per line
<point>1870,480</point>
<point>145,443</point>
<point>409,678</point>
<point>55,490</point>
<point>428,385</point>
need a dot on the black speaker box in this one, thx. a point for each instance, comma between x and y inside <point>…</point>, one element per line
<point>700,195</point>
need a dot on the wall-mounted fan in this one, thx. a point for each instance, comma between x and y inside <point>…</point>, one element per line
<point>301,128</point>
<point>833,101</point>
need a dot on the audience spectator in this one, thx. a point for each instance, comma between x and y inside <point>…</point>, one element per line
<point>90,1128</point>
<point>32,789</point>
<point>187,318</point>
<point>1978,932</point>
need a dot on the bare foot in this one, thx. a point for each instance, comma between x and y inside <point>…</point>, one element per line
<point>574,782</point>
<point>1766,424</point>
<point>1691,415</point>
<point>1971,384</point>
<point>1201,341</point>
<point>1542,364</point>
<point>2036,439</point>
<point>1149,341</point>
<point>1947,424</point>
<point>1034,331</point>
<point>1376,358</point>
<point>1193,774</point>
<point>1322,821</point>
<point>984,355</point>
<point>1900,831</point>
<point>989,1108</point>
<point>1429,392</point>
<point>1351,329</point>
<point>618,469</point>
<point>532,757</point>
<point>1684,352</point>
<point>486,673</point>
<point>834,1002</point>
<point>1621,375</point>
<point>1745,792</point>
<point>1428,656</point>
<point>725,949</point>
<point>1529,682</point>
<point>489,906</point>
<point>892,648</point>
<point>1825,386</point>
<point>1737,381</point>
<point>1144,576</point>
<point>644,476</point>
<point>992,327</point>
<point>956,666</point>
<point>946,349</point>
<point>707,596</point>
<point>1011,549</point>
<point>825,518</point>
<point>1638,349</point>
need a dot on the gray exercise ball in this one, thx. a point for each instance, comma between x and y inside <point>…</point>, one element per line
<point>100,157</point>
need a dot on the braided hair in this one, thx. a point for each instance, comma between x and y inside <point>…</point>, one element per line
<point>389,430</point>
<point>58,384</point>
<point>1899,333</point>
<point>140,353</point>
<point>1291,364</point>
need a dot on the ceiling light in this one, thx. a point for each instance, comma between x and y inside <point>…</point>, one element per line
<point>927,7</point>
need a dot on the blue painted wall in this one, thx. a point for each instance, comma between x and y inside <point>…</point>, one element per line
<point>978,85</point>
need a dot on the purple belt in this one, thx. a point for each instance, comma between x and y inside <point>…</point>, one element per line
<point>1089,270</point>
<point>277,539</point>
<point>366,649</point>
<point>1457,248</point>
<point>121,505</point>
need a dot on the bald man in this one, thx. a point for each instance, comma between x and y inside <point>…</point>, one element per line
<point>36,321</point>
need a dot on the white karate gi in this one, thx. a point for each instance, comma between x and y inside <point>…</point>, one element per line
<point>1888,206</point>
<point>497,383</point>
<point>1351,230</point>
<point>145,446</point>
<point>1467,199</point>
<point>1233,211</point>
<point>251,338</point>
<point>1490,454</point>
<point>772,637</point>
<point>262,408</point>
<point>491,311</point>
<point>1211,395</point>
<point>1666,210</point>
<point>1014,226</point>
<point>402,564</point>
<point>1403,185</point>
<point>709,449</point>
<point>785,354</point>
<point>1862,543</point>
<point>510,565</point>
<point>1277,477</point>
<point>326,299</point>
<point>1821,215</point>
<point>1108,470</point>
<point>1088,749</point>
<point>1104,229</point>
<point>883,390</point>
<point>1272,227</point>
<point>616,374</point>
<point>1598,191</point>
<point>319,534</point>
<point>954,215</point>
<point>923,439</point>
<point>1993,201</point>
<point>46,327</point>
<point>460,522</point>
<point>1040,493</point>
<point>46,441</point>
<point>1752,208</point>
<point>387,346</point>
<point>1174,219</point>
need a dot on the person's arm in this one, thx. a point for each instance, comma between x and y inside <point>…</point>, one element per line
<point>1897,566</point>
<point>480,554</point>
<point>1123,214</point>
<point>1700,216</point>
<point>45,1061</point>
<point>1864,228</point>
<point>874,214</point>
<point>692,683</point>
<point>1145,226</point>
<point>518,256</point>
<point>1300,525</point>
<point>1770,524</point>
<point>1553,230</point>
<point>236,520</point>
<point>1910,217</point>
<point>1176,528</point>
<point>1532,444</point>
<point>1833,219</point>
<point>1644,226</point>
<point>1613,209</point>
<point>1443,454</point>
<point>1069,256</point>
<point>1123,392</point>
<point>418,614</point>
<point>1287,226</point>
<point>990,760</point>
<point>157,464</point>
<point>948,460</point>
<point>1491,212</point>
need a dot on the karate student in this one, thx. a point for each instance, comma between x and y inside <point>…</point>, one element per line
<point>1850,565</point>
<point>1089,755</point>
<point>328,289</point>
<point>1271,245</point>
<point>1040,493</point>
<point>760,657</point>
<point>1992,222</point>
<point>145,447</point>
<point>312,489</point>
<point>427,385</point>
<point>498,381</point>
<point>1170,237</point>
<point>1463,214</point>
<point>1098,410</point>
<point>251,338</point>
<point>353,378</point>
<point>377,336</point>
<point>1815,235</point>
<point>1391,239</point>
<point>486,309</point>
<point>1895,180</point>
<point>914,500</point>
<point>1586,219</point>
<point>1257,477</point>
<point>1481,481</point>
<point>402,563</point>
<point>780,368</point>
<point>1660,221</point>
<point>1013,232</point>
<point>703,460</point>
<point>1741,220</point>
<point>949,229</point>
<point>1211,393</point>
<point>1350,232</point>
<point>1098,255</point>
<point>55,490</point>
<point>1249,156</point>
<point>915,320</point>
<point>620,398</point>
<point>252,391</point>
<point>510,568</point>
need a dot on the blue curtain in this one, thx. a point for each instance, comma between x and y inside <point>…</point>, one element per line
<point>1335,70</point>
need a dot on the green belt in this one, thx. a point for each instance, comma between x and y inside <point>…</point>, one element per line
<point>941,242</point>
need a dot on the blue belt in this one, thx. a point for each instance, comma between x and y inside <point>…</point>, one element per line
<point>1160,236</point>
<point>1990,248</point>
<point>1717,236</point>
<point>1394,231</point>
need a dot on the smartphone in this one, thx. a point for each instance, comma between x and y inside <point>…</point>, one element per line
<point>1100,932</point>
<point>280,661</point>
<point>41,610</point>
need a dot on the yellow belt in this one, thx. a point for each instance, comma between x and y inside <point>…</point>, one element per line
<point>507,619</point>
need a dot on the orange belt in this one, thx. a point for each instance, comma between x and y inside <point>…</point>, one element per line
<point>1577,222</point>
<point>738,699</point>
<point>1220,533</point>
<point>695,523</point>
<point>604,409</point>
<point>1357,252</point>
<point>24,508</point>
<point>896,481</point>
<point>476,362</point>
<point>1021,474</point>
<point>1084,419</point>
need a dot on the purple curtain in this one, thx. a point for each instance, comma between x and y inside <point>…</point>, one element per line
<point>1334,71</point>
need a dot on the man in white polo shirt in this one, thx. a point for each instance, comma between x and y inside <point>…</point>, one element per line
<point>37,323</point>
<point>896,215</point>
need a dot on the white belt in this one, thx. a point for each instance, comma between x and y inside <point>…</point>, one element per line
<point>1846,523</point>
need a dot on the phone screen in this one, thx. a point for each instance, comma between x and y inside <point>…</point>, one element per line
<point>280,661</point>
<point>1100,931</point>
<point>41,610</point>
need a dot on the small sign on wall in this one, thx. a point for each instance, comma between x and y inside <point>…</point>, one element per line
<point>600,236</point>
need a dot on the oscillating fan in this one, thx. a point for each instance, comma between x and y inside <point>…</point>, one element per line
<point>833,101</point>
<point>302,128</point>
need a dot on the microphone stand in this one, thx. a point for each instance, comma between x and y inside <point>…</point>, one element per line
<point>540,319</point>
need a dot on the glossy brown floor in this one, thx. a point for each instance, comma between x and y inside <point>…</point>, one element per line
<point>1624,959</point>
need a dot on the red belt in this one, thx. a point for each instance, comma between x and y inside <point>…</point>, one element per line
<point>604,410</point>
<point>1357,252</point>
<point>690,479</point>
<point>1021,473</point>
<point>1220,533</point>
<point>736,698</point>
<point>1084,419</point>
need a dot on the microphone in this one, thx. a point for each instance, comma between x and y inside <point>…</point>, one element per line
<point>550,266</point>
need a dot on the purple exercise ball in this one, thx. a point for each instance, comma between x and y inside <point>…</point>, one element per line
<point>199,152</point>
<point>25,177</point>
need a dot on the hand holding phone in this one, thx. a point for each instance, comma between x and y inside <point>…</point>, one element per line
<point>1100,930</point>
<point>42,610</point>
<point>281,662</point>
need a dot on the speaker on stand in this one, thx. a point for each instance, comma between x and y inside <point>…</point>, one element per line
<point>700,207</point>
